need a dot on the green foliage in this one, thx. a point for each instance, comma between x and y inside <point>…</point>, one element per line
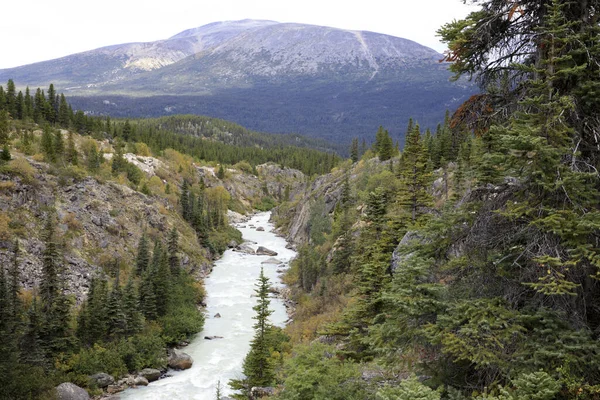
<point>409,389</point>
<point>315,374</point>
<point>319,223</point>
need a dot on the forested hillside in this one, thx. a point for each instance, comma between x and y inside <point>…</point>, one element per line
<point>466,266</point>
<point>106,231</point>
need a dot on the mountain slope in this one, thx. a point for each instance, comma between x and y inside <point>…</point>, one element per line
<point>277,77</point>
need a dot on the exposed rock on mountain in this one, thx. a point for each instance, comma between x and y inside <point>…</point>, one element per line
<point>269,76</point>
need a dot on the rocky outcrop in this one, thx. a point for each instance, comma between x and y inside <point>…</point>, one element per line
<point>400,254</point>
<point>102,379</point>
<point>179,360</point>
<point>213,337</point>
<point>98,222</point>
<point>70,391</point>
<point>150,374</point>
<point>263,251</point>
<point>259,392</point>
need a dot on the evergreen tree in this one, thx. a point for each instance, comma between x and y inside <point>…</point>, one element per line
<point>71,154</point>
<point>51,107</point>
<point>59,144</point>
<point>118,161</point>
<point>93,159</point>
<point>48,144</point>
<point>162,284</point>
<point>5,154</point>
<point>133,317</point>
<point>413,175</point>
<point>117,318</point>
<point>257,366</point>
<point>14,286</point>
<point>4,127</point>
<point>143,255</point>
<point>64,117</point>
<point>31,351</point>
<point>184,200</point>
<point>354,150</point>
<point>28,105</point>
<point>11,98</point>
<point>221,172</point>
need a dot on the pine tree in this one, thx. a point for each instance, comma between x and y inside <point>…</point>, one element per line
<point>4,127</point>
<point>71,154</point>
<point>221,172</point>
<point>184,200</point>
<point>143,255</point>
<point>93,159</point>
<point>118,161</point>
<point>31,351</point>
<point>48,144</point>
<point>11,98</point>
<point>162,284</point>
<point>257,366</point>
<point>354,150</point>
<point>130,305</point>
<point>64,117</point>
<point>117,318</point>
<point>413,175</point>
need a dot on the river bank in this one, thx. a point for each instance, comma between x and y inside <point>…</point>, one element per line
<point>229,301</point>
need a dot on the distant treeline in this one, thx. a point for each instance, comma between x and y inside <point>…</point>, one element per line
<point>205,138</point>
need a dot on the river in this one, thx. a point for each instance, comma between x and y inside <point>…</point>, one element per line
<point>229,292</point>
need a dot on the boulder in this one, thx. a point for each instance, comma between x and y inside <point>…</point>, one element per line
<point>217,315</point>
<point>260,229</point>
<point>232,244</point>
<point>271,261</point>
<point>70,391</point>
<point>150,374</point>
<point>244,248</point>
<point>112,389</point>
<point>180,360</point>
<point>263,251</point>
<point>213,337</point>
<point>102,379</point>
<point>140,381</point>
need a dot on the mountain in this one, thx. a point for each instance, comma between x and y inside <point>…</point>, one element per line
<point>268,76</point>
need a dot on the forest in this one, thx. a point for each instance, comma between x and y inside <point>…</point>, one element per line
<point>465,266</point>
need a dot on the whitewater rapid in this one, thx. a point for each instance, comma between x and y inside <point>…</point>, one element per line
<point>229,292</point>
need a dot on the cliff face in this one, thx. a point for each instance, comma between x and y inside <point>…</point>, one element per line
<point>97,222</point>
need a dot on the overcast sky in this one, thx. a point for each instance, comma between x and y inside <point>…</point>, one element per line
<point>38,30</point>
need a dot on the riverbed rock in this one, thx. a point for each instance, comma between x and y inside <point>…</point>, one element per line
<point>140,381</point>
<point>180,360</point>
<point>260,229</point>
<point>263,251</point>
<point>213,337</point>
<point>217,315</point>
<point>244,248</point>
<point>112,389</point>
<point>70,391</point>
<point>150,374</point>
<point>236,217</point>
<point>271,261</point>
<point>232,244</point>
<point>102,379</point>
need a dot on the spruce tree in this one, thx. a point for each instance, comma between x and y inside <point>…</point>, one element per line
<point>31,351</point>
<point>4,127</point>
<point>143,255</point>
<point>48,147</point>
<point>5,154</point>
<point>413,175</point>
<point>354,150</point>
<point>257,366</point>
<point>71,152</point>
<point>130,305</point>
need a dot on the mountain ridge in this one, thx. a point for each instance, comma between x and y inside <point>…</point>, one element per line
<point>269,76</point>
